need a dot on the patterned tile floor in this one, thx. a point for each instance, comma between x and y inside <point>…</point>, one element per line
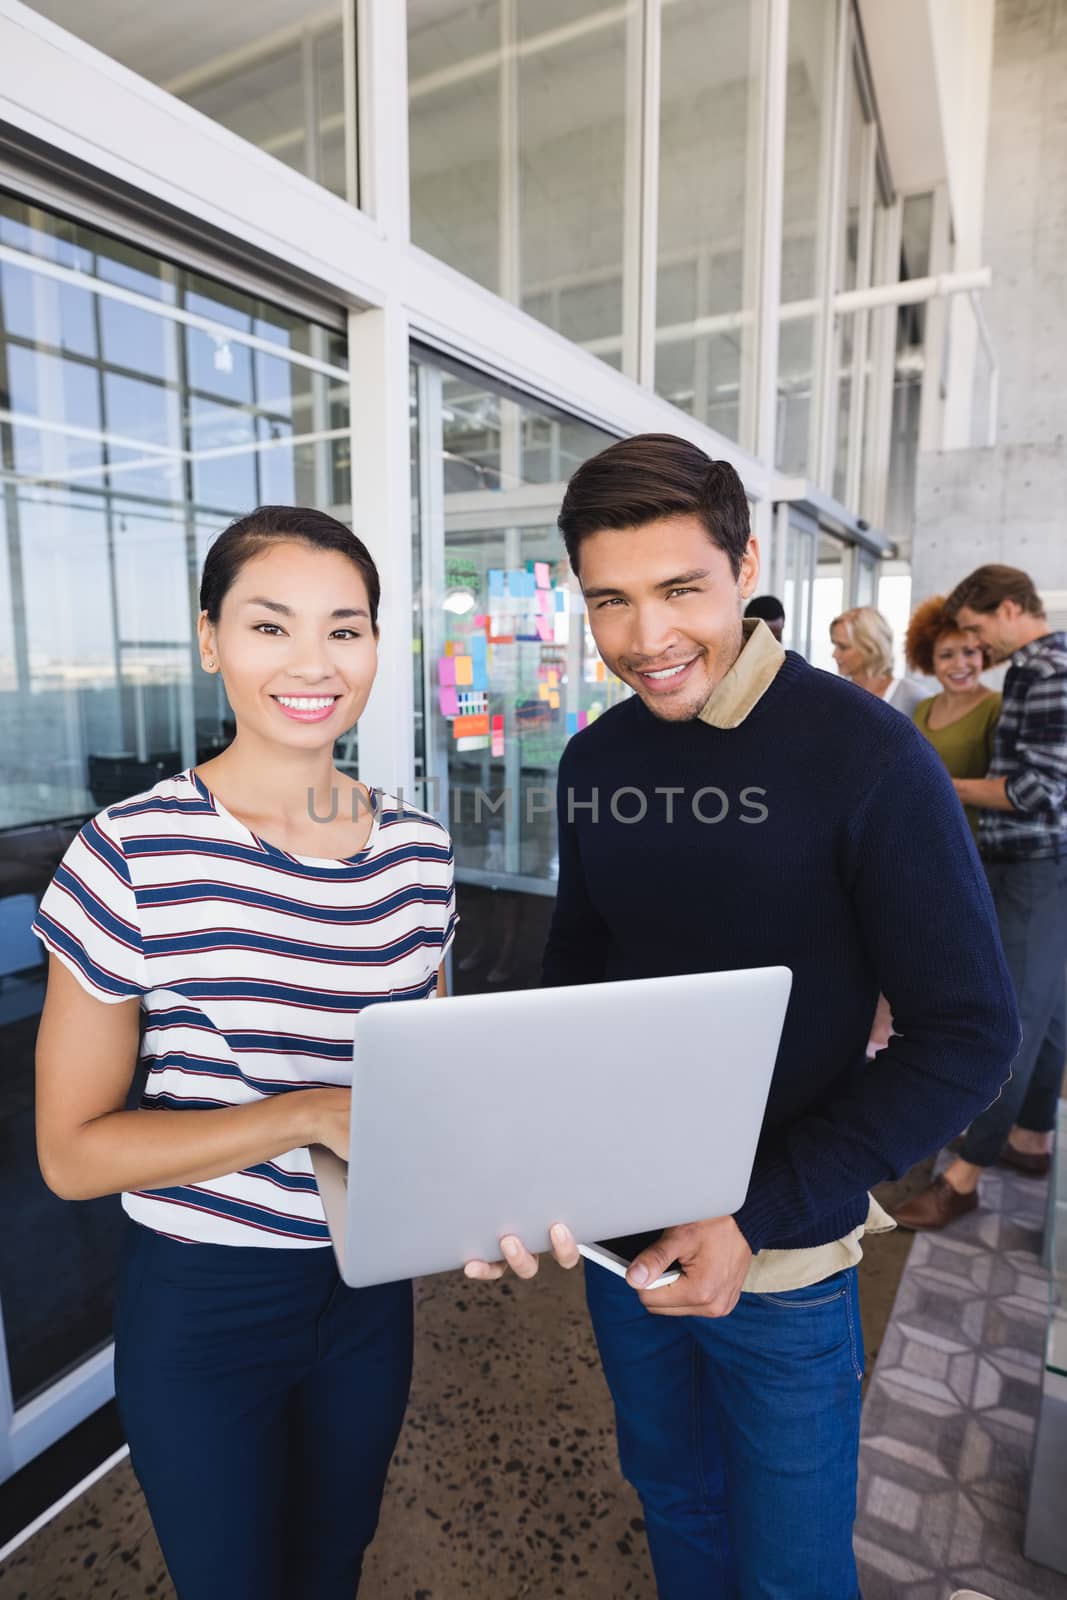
<point>948,1422</point>
<point>506,1481</point>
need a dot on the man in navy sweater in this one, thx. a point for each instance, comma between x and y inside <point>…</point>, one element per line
<point>787,818</point>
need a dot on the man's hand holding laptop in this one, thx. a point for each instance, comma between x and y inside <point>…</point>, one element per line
<point>714,1256</point>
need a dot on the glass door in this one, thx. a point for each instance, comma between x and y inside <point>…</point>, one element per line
<point>510,672</point>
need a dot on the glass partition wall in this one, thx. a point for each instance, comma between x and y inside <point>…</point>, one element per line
<point>144,406</point>
<point>597,173</point>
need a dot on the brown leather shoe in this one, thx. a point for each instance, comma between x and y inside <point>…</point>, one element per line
<point>936,1207</point>
<point>1035,1165</point>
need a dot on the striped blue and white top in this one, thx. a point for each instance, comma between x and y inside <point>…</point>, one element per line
<point>251,966</point>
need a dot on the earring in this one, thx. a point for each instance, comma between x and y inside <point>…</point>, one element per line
<point>210,662</point>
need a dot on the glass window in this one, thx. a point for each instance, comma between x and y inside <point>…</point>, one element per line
<point>709,200</point>
<point>128,441</point>
<point>518,148</point>
<point>511,669</point>
<point>273,73</point>
<point>827,600</point>
<point>808,109</point>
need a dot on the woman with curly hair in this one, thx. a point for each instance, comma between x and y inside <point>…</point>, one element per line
<point>959,720</point>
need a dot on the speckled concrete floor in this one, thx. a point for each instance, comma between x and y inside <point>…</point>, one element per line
<point>505,1482</point>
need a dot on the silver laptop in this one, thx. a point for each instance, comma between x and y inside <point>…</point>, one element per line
<point>612,1107</point>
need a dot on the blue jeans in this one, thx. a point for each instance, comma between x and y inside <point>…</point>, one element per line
<point>1031,902</point>
<point>262,1400</point>
<point>741,1436</point>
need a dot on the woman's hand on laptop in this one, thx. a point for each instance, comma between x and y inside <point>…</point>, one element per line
<point>522,1262</point>
<point>714,1257</point>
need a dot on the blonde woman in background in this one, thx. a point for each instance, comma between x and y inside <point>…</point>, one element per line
<point>959,721</point>
<point>863,652</point>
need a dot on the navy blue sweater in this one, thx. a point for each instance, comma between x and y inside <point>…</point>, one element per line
<point>834,845</point>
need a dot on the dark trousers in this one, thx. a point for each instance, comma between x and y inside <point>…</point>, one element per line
<point>262,1399</point>
<point>741,1435</point>
<point>1031,902</point>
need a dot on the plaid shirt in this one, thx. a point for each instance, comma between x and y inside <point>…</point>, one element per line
<point>1030,750</point>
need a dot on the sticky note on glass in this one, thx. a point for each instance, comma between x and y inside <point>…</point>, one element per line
<point>498,735</point>
<point>560,598</point>
<point>601,675</point>
<point>448,702</point>
<point>446,671</point>
<point>553,699</point>
<point>546,631</point>
<point>541,574</point>
<point>543,691</point>
<point>572,722</point>
<point>553,680</point>
<point>470,727</point>
<point>450,648</point>
<point>544,603</point>
<point>496,583</point>
<point>464,670</point>
<point>583,719</point>
<point>477,642</point>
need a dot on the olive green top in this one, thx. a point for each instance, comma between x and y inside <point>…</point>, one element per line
<point>966,746</point>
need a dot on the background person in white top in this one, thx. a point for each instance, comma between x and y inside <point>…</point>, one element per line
<point>262,1398</point>
<point>863,652</point>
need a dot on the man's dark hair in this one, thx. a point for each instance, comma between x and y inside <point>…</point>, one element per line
<point>250,535</point>
<point>987,586</point>
<point>767,606</point>
<point>650,476</point>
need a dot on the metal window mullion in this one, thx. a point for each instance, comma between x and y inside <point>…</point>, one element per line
<point>309,94</point>
<point>382,109</point>
<point>931,413</point>
<point>509,178</point>
<point>380,442</point>
<point>431,469</point>
<point>775,84</point>
<point>641,191</point>
<point>824,409</point>
<point>883,362</point>
<point>351,97</point>
<point>861,327</point>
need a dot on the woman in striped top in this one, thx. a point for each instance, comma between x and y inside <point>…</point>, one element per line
<point>226,928</point>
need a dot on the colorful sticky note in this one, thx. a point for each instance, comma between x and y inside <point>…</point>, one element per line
<point>471,744</point>
<point>546,631</point>
<point>583,719</point>
<point>470,727</point>
<point>601,675</point>
<point>464,670</point>
<point>450,648</point>
<point>516,581</point>
<point>572,723</point>
<point>478,642</point>
<point>496,583</point>
<point>544,603</point>
<point>553,699</point>
<point>561,599</point>
<point>497,728</point>
<point>543,691</point>
<point>446,670</point>
<point>541,577</point>
<point>553,679</point>
<point>448,702</point>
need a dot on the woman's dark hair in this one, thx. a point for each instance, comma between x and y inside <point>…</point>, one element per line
<point>250,535</point>
<point>650,476</point>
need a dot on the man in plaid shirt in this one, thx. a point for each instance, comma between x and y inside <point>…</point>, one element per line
<point>1023,844</point>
